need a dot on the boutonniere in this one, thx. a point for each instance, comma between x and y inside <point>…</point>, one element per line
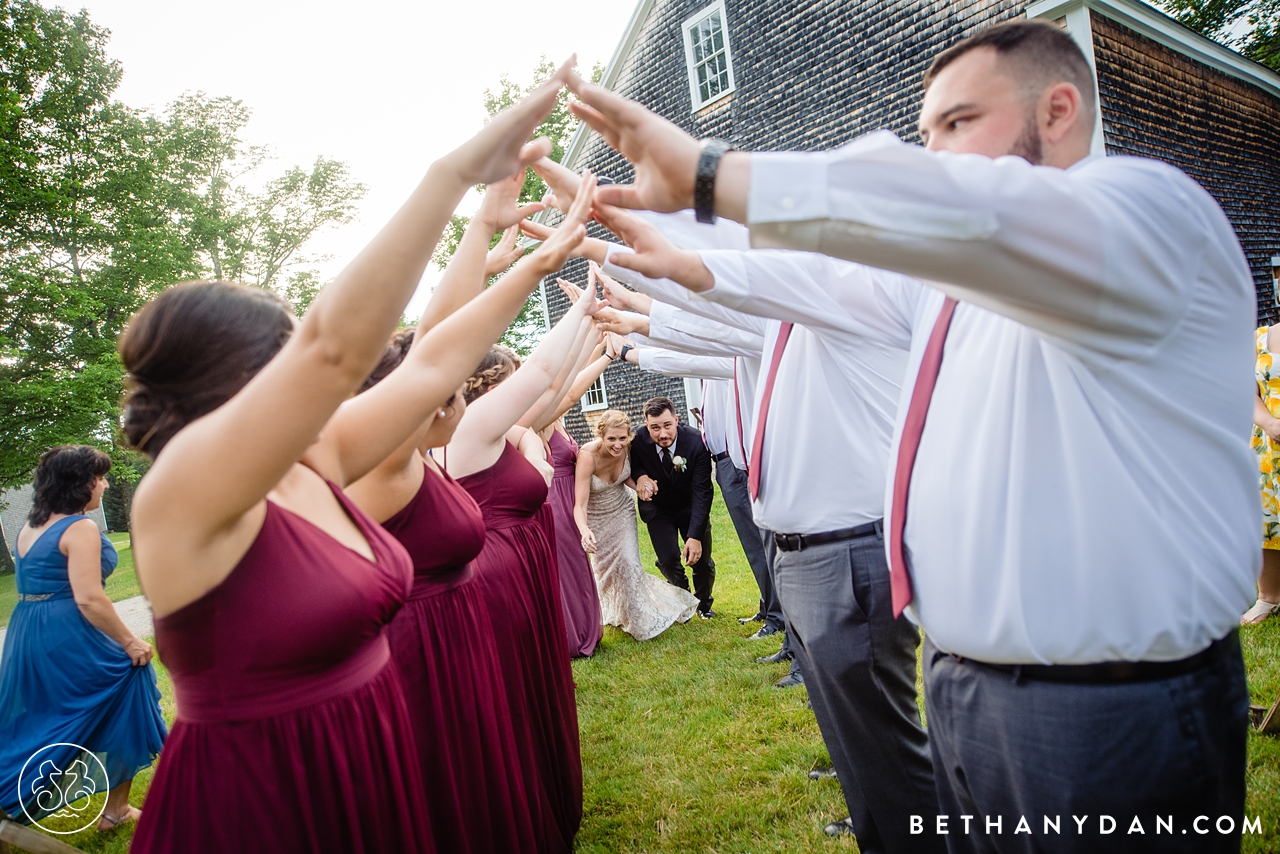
<point>679,463</point>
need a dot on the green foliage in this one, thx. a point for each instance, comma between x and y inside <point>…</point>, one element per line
<point>526,330</point>
<point>117,501</point>
<point>104,206</point>
<point>1219,20</point>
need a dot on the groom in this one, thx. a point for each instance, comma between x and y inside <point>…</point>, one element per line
<point>672,469</point>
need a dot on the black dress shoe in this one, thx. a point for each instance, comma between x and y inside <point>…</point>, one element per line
<point>707,614</point>
<point>843,827</point>
<point>791,680</point>
<point>777,658</point>
<point>765,631</point>
<point>756,618</point>
<point>822,774</point>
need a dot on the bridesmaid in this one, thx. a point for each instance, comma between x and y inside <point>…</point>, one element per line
<point>270,588</point>
<point>72,673</point>
<point>516,573</point>
<point>443,640</point>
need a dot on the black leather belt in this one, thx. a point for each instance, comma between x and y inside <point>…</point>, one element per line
<point>723,455</point>
<point>798,542</point>
<point>1111,671</point>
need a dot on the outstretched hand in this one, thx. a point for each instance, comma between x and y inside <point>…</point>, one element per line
<point>665,157</point>
<point>655,256</point>
<point>503,146</point>
<point>499,206</point>
<point>619,296</point>
<point>504,254</point>
<point>561,243</point>
<point>621,322</point>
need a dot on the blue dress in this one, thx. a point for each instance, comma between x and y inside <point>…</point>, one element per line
<point>63,680</point>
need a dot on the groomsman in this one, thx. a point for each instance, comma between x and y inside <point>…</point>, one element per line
<point>672,469</point>
<point>1080,594</point>
<point>824,415</point>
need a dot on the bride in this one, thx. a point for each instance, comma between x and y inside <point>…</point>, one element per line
<point>604,508</point>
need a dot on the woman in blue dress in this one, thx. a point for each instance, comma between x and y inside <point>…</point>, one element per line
<point>72,674</point>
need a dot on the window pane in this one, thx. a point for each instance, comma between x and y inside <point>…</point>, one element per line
<point>698,55</point>
<point>717,42</point>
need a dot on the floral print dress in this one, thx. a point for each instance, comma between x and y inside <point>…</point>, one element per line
<point>1268,451</point>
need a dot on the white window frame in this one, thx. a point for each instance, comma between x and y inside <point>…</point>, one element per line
<point>604,396</point>
<point>695,95</point>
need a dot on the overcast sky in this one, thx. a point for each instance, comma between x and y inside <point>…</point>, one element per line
<point>384,85</point>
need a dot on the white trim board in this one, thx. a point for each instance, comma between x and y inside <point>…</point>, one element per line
<point>611,71</point>
<point>1159,27</point>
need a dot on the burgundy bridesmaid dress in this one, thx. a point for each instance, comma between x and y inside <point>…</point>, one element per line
<point>443,642</point>
<point>577,583</point>
<point>517,576</point>
<point>292,732</point>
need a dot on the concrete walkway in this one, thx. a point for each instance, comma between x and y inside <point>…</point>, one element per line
<point>136,615</point>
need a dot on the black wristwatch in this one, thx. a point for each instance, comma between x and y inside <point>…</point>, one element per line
<point>704,183</point>
<point>622,354</point>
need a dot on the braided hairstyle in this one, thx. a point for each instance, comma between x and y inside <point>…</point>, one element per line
<point>189,351</point>
<point>495,367</point>
<point>64,481</point>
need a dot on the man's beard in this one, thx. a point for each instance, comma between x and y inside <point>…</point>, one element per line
<point>1027,145</point>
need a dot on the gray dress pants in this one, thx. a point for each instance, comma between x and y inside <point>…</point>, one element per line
<point>859,665</point>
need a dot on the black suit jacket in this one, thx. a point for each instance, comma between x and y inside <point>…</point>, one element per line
<point>683,496</point>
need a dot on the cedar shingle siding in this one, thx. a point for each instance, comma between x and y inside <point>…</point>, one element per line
<point>1221,131</point>
<point>814,75</point>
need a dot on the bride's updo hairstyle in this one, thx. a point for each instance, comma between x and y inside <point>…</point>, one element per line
<point>189,351</point>
<point>609,419</point>
<point>495,367</point>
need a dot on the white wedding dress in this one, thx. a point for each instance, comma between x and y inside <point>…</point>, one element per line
<point>642,605</point>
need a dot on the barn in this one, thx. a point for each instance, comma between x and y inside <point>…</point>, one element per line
<point>814,74</point>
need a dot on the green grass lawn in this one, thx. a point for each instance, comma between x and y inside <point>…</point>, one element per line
<point>686,747</point>
<point>123,583</point>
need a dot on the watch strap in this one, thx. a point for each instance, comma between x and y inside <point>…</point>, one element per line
<point>704,182</point>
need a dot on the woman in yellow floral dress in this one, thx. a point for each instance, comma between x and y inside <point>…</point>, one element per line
<point>1266,444</point>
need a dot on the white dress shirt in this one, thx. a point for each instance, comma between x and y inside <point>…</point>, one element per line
<point>830,424</point>
<point>673,364</point>
<point>1084,489</point>
<point>717,415</point>
<point>709,320</point>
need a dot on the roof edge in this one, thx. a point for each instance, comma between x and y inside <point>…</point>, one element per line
<point>1149,21</point>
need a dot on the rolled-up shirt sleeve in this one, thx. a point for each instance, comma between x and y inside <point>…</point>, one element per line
<point>1069,252</point>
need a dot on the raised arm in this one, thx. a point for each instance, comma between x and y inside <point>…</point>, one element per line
<point>241,450</point>
<point>370,426</point>
<point>473,263</point>
<point>539,415</point>
<point>588,370</point>
<point>478,442</point>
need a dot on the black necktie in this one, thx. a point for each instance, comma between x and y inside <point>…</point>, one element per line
<point>666,459</point>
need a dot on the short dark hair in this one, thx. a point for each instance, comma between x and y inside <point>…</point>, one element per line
<point>190,350</point>
<point>64,481</point>
<point>655,406</point>
<point>1043,53</point>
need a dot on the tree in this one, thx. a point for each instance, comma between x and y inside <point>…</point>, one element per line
<point>1220,20</point>
<point>102,207</point>
<point>87,230</point>
<point>526,330</point>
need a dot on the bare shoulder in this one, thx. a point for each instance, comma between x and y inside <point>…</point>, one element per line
<point>81,534</point>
